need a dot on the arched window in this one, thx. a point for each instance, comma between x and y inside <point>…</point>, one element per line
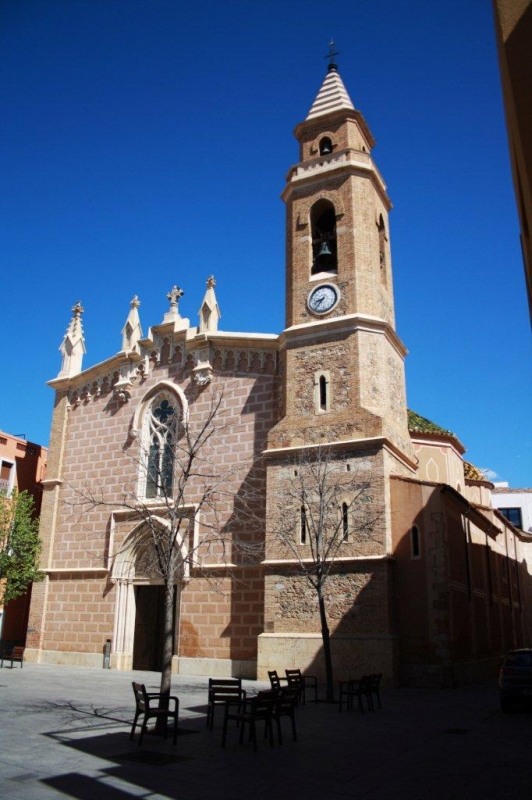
<point>324,247</point>
<point>304,526</point>
<point>325,146</point>
<point>159,438</point>
<point>345,521</point>
<point>382,248</point>
<point>322,392</point>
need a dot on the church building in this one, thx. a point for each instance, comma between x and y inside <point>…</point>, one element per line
<point>433,596</point>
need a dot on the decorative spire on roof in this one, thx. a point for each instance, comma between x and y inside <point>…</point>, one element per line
<point>332,95</point>
<point>174,296</point>
<point>173,315</point>
<point>209,312</point>
<point>132,332</point>
<point>72,347</point>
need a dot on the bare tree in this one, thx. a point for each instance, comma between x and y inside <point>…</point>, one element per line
<point>321,502</point>
<point>183,488</point>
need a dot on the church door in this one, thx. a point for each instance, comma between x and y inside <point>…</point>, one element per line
<point>148,643</point>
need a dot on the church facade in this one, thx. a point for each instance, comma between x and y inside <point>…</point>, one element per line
<point>436,592</point>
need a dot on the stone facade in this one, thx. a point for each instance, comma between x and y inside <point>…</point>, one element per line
<point>332,386</point>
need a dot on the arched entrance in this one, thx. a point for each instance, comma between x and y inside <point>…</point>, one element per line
<point>139,610</point>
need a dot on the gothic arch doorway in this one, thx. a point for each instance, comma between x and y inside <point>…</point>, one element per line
<point>139,610</point>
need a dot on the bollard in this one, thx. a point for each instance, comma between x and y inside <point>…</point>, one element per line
<point>107,654</point>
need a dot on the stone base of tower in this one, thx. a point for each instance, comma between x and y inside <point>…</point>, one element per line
<point>353,655</point>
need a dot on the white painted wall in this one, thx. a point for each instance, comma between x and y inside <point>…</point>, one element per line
<point>504,497</point>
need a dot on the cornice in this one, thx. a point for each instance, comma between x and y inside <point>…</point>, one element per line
<point>344,162</point>
<point>192,341</point>
<point>323,122</point>
<point>430,437</point>
<point>278,562</point>
<point>120,359</point>
<point>349,323</point>
<point>369,443</point>
<point>266,341</point>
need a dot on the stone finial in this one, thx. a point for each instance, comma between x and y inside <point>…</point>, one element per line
<point>174,296</point>
<point>72,347</point>
<point>132,331</point>
<point>209,312</point>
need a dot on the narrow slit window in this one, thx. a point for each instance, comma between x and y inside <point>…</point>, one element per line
<point>345,521</point>
<point>414,542</point>
<point>323,393</point>
<point>382,249</point>
<point>303,526</point>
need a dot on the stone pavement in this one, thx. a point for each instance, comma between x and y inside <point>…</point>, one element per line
<point>64,733</point>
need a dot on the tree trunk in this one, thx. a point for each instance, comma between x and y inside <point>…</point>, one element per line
<point>329,681</point>
<point>168,648</point>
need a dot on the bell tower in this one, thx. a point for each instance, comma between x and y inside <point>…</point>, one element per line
<point>341,359</point>
<point>336,215</point>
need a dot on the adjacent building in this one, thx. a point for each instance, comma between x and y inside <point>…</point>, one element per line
<point>514,504</point>
<point>22,467</point>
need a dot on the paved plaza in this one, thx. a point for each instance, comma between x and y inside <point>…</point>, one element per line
<point>64,733</point>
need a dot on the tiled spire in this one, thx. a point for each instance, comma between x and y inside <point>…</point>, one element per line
<point>72,347</point>
<point>332,95</point>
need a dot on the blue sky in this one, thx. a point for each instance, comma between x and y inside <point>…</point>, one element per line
<point>144,143</point>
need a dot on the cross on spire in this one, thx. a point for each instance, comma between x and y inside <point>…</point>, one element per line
<point>330,55</point>
<point>174,296</point>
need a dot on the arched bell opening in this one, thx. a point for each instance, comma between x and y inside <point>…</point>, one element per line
<point>324,244</point>
<point>326,146</point>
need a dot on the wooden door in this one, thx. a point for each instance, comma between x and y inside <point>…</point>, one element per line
<point>147,648</point>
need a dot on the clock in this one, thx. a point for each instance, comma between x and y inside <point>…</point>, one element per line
<point>323,298</point>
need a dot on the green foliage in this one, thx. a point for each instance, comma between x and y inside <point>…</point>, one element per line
<point>20,545</point>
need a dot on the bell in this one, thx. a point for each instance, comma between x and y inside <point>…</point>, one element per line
<point>325,149</point>
<point>324,259</point>
<point>324,250</point>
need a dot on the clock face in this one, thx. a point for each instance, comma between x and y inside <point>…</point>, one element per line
<point>323,298</point>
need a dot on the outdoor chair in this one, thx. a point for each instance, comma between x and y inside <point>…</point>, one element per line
<point>220,691</point>
<point>356,688</point>
<point>250,711</point>
<point>374,688</point>
<point>303,682</point>
<point>12,653</point>
<point>275,680</point>
<point>284,705</point>
<point>143,702</point>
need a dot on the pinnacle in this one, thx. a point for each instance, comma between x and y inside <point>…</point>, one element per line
<point>332,96</point>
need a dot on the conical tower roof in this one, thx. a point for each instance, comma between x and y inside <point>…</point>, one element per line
<point>332,96</point>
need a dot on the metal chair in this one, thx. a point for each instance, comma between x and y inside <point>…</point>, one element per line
<point>303,682</point>
<point>220,691</point>
<point>275,680</point>
<point>374,688</point>
<point>143,701</point>
<point>356,688</point>
<point>249,711</point>
<point>285,706</point>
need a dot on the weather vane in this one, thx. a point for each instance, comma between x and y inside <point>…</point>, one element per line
<point>331,54</point>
